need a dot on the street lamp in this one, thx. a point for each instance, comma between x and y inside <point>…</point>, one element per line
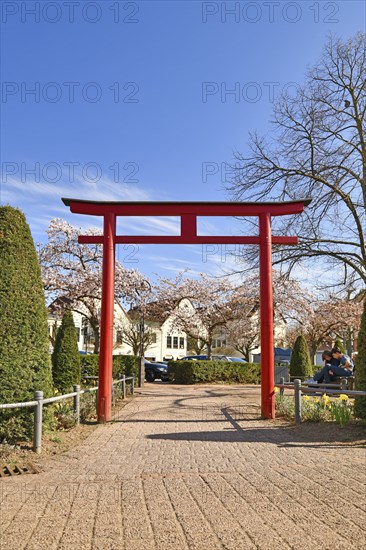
<point>141,371</point>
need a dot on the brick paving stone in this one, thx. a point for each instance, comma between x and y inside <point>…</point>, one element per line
<point>192,467</point>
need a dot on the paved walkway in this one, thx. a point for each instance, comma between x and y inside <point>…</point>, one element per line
<point>192,468</point>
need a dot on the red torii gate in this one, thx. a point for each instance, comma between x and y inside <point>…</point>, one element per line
<point>188,212</point>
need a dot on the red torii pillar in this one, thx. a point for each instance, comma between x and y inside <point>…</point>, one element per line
<point>188,212</point>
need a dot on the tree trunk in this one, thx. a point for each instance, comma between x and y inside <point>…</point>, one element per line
<point>95,326</point>
<point>209,349</point>
<point>136,349</point>
<point>96,341</point>
<point>312,350</point>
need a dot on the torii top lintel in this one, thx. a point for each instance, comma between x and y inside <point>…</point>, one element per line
<point>188,212</point>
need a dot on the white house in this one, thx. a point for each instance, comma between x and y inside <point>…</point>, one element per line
<point>167,342</point>
<point>85,334</point>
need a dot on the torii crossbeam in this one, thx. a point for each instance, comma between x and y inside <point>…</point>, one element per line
<point>188,213</point>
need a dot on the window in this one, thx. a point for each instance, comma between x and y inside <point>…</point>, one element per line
<point>181,343</point>
<point>153,337</point>
<point>78,333</point>
<point>168,341</point>
<point>175,342</point>
<point>219,342</point>
<point>119,338</point>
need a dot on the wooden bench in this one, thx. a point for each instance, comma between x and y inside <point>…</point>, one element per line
<point>346,383</point>
<point>342,383</point>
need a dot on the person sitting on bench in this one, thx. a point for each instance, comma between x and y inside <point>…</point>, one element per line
<point>328,360</point>
<point>331,370</point>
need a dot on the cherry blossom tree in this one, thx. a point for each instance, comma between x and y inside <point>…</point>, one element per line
<point>211,300</point>
<point>72,272</point>
<point>327,320</point>
<point>290,303</point>
<point>196,345</point>
<point>243,332</point>
<point>219,306</point>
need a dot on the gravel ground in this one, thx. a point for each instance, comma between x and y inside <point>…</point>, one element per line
<point>194,467</point>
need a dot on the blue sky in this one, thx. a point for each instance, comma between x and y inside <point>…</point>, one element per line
<point>131,101</point>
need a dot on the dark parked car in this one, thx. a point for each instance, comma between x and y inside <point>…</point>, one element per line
<point>214,358</point>
<point>154,371</point>
<point>194,358</point>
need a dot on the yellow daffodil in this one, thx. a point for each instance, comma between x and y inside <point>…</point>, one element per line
<point>306,398</point>
<point>343,397</point>
<point>276,390</point>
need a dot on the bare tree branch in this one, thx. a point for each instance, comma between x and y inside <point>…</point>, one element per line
<point>318,151</point>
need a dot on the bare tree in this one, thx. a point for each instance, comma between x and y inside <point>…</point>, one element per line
<point>317,149</point>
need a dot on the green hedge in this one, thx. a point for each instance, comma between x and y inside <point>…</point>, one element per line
<point>123,364</point>
<point>360,402</point>
<point>196,372</point>
<point>300,364</point>
<point>66,357</point>
<point>89,365</point>
<point>25,364</point>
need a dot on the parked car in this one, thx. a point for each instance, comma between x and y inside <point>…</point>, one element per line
<point>154,371</point>
<point>194,358</point>
<point>214,358</point>
<point>227,358</point>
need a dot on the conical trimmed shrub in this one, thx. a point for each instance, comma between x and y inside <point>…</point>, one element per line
<point>66,357</point>
<point>25,363</point>
<point>360,402</point>
<point>300,364</point>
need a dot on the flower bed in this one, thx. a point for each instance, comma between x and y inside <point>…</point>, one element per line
<point>317,409</point>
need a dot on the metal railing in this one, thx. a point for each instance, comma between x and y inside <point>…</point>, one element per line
<point>38,403</point>
<point>329,389</point>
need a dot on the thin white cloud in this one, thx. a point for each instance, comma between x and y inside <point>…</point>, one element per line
<point>105,189</point>
<point>148,225</point>
<point>41,201</point>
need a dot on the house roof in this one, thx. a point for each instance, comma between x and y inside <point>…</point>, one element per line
<point>62,302</point>
<point>154,312</point>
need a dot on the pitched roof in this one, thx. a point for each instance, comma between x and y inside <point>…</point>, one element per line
<point>157,312</point>
<point>62,302</point>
